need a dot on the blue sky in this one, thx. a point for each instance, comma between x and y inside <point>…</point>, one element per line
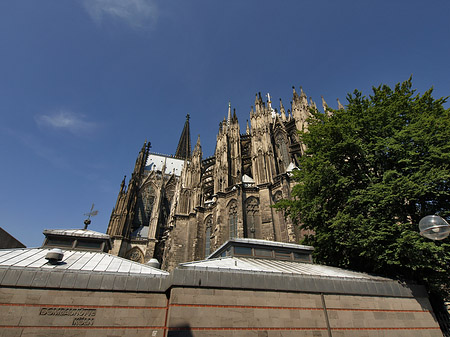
<point>84,83</point>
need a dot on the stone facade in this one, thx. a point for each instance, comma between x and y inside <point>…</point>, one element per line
<point>184,216</point>
<point>199,311</point>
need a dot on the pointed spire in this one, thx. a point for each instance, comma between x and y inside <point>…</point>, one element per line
<point>184,145</point>
<point>282,107</point>
<point>312,104</point>
<point>234,116</point>
<point>324,104</point>
<point>303,98</point>
<point>198,147</point>
<point>229,113</point>
<point>247,130</point>
<point>340,106</point>
<point>302,94</point>
<point>122,185</point>
<point>282,111</point>
<point>295,94</point>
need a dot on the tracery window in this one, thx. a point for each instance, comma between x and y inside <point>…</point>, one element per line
<point>261,167</point>
<point>144,206</point>
<point>283,152</point>
<point>135,254</point>
<point>184,203</point>
<point>208,224</point>
<point>252,218</point>
<point>232,218</point>
<point>281,220</point>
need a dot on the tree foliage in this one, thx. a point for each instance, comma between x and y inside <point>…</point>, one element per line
<point>371,172</point>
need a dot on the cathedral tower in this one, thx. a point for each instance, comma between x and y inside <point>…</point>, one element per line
<point>181,208</point>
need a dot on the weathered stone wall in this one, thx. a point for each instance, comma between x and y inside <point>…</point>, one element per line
<point>197,311</point>
<point>45,312</point>
<point>225,313</point>
<point>355,316</point>
<point>220,312</point>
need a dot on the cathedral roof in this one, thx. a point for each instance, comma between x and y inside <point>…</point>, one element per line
<point>247,180</point>
<point>170,165</point>
<point>291,167</point>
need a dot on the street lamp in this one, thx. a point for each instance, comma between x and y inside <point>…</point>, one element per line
<point>434,227</point>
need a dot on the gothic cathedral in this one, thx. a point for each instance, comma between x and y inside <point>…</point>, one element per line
<point>181,208</point>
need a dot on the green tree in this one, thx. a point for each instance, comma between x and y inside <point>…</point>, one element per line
<point>370,173</point>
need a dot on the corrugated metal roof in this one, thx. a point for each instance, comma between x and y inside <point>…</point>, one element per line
<point>277,266</point>
<point>77,232</point>
<point>259,242</point>
<point>74,260</point>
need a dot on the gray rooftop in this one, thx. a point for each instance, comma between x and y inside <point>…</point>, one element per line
<point>100,271</point>
<point>245,264</point>
<point>258,242</point>
<point>87,233</point>
<point>74,261</point>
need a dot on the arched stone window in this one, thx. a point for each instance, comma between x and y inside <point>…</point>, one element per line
<point>232,218</point>
<point>283,232</point>
<point>135,254</point>
<point>282,152</point>
<point>252,218</point>
<point>184,202</point>
<point>261,167</point>
<point>208,225</point>
<point>144,206</point>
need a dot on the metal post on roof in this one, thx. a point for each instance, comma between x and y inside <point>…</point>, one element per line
<point>87,222</point>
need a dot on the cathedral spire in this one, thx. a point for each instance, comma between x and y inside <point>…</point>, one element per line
<point>184,145</point>
<point>141,160</point>
<point>229,113</point>
<point>324,104</point>
<point>340,106</point>
<point>122,185</point>
<point>282,111</point>
<point>197,147</point>
<point>312,104</point>
<point>295,94</point>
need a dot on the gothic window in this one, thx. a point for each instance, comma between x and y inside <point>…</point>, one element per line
<point>261,167</point>
<point>144,206</point>
<point>282,152</point>
<point>184,202</point>
<point>208,224</point>
<point>135,254</point>
<point>170,190</point>
<point>281,220</point>
<point>232,218</point>
<point>252,218</point>
<point>292,137</point>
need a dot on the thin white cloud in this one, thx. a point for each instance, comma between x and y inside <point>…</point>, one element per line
<point>136,13</point>
<point>37,147</point>
<point>67,121</point>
